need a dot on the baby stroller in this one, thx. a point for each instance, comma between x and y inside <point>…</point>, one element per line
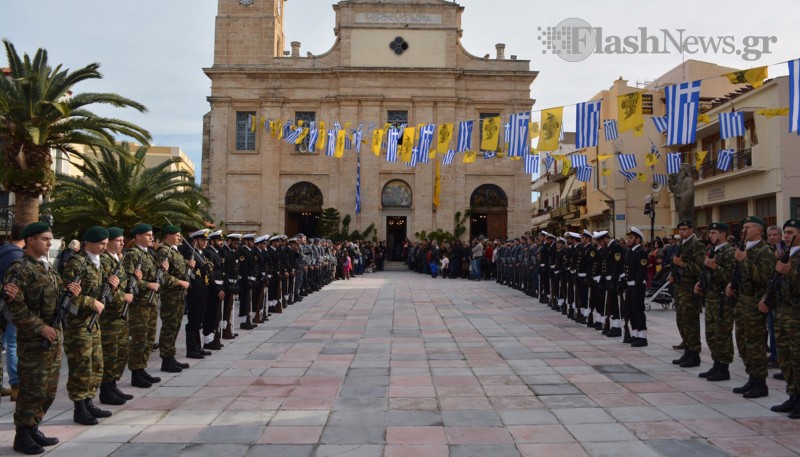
<point>660,291</point>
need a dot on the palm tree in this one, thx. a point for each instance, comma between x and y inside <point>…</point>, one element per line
<point>116,189</point>
<point>39,113</point>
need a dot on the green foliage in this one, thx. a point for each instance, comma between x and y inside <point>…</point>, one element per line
<point>459,228</point>
<point>460,223</point>
<point>117,190</point>
<point>328,223</point>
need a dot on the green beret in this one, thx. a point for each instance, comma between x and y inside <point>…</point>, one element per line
<point>720,226</point>
<point>687,222</point>
<point>755,220</point>
<point>170,229</point>
<point>34,229</point>
<point>792,223</point>
<point>95,234</point>
<point>115,232</point>
<point>138,229</point>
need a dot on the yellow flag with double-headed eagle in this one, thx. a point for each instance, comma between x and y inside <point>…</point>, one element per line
<point>406,149</point>
<point>754,76</point>
<point>550,134</point>
<point>377,139</point>
<point>443,138</point>
<point>490,133</point>
<point>629,112</point>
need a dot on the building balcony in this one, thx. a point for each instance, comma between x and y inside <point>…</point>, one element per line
<point>742,160</point>
<point>541,217</point>
<point>577,196</point>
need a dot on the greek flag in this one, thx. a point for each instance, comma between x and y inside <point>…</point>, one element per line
<point>673,163</point>
<point>357,135</point>
<point>548,162</point>
<point>531,164</point>
<point>610,127</point>
<point>626,161</point>
<point>413,163</point>
<point>391,144</point>
<point>293,135</point>
<point>578,160</point>
<point>465,136</point>
<point>584,174</point>
<point>794,96</point>
<point>348,143</point>
<point>629,175</point>
<point>331,149</point>
<point>313,134</point>
<point>682,102</point>
<point>358,185</point>
<point>425,140</point>
<point>489,154</point>
<point>660,123</point>
<point>725,159</point>
<point>337,126</point>
<point>660,179</point>
<point>654,149</point>
<point>448,158</point>
<point>287,129</point>
<point>507,132</point>
<point>519,144</point>
<point>731,125</point>
<point>587,124</point>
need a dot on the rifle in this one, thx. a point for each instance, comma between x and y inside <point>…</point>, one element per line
<point>4,312</point>
<point>133,286</point>
<point>736,275</point>
<point>677,271</point>
<point>65,304</point>
<point>705,276</point>
<point>777,280</point>
<point>105,294</point>
<point>160,280</point>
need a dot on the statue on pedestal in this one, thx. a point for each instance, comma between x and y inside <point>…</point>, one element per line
<point>681,184</point>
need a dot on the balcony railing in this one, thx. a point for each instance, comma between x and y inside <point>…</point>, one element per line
<point>577,196</point>
<point>741,160</point>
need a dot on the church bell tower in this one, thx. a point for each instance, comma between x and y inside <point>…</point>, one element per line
<point>249,32</point>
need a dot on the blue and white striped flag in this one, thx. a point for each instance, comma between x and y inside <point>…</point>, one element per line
<point>610,127</point>
<point>507,133</point>
<point>287,129</point>
<point>465,136</point>
<point>348,142</point>
<point>425,140</point>
<point>794,96</point>
<point>293,135</point>
<point>660,179</point>
<point>337,126</point>
<point>532,164</point>
<point>673,162</point>
<point>421,157</point>
<point>578,160</point>
<point>683,101</point>
<point>587,124</point>
<point>725,159</point>
<point>313,134</point>
<point>731,125</point>
<point>391,143</point>
<point>519,143</point>
<point>414,153</point>
<point>448,158</point>
<point>629,175</point>
<point>548,163</point>
<point>660,123</point>
<point>331,149</point>
<point>626,161</point>
<point>654,149</point>
<point>489,154</point>
<point>584,174</point>
<point>357,135</point>
<point>358,185</point>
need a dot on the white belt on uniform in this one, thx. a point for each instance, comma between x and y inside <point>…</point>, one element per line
<point>581,275</point>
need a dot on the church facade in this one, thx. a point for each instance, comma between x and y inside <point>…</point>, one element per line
<point>393,61</point>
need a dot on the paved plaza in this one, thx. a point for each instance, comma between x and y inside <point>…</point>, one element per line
<point>399,364</point>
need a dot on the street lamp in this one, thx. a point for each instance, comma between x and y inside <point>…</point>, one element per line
<point>650,202</point>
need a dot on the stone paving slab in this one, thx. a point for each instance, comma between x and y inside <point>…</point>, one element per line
<point>398,364</point>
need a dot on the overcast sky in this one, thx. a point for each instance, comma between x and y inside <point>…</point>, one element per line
<point>154,50</point>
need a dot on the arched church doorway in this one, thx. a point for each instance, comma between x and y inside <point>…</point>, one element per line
<point>489,205</point>
<point>396,200</point>
<point>303,209</point>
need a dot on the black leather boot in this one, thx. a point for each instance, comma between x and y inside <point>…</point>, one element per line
<point>94,410</point>
<point>682,359</point>
<point>745,387</point>
<point>120,393</point>
<point>758,389</point>
<point>108,396</point>
<point>24,442</point>
<point>138,379</point>
<point>41,439</point>
<point>793,415</point>
<point>785,407</point>
<point>168,366</point>
<point>81,415</point>
<point>149,378</point>
<point>710,371</point>
<point>692,361</point>
<point>722,373</point>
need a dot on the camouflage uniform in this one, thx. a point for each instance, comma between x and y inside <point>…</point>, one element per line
<point>687,314</point>
<point>113,328</point>
<point>143,315</point>
<point>718,315</point>
<point>172,299</point>
<point>83,347</point>
<point>751,324</point>
<point>787,327</point>
<point>33,309</point>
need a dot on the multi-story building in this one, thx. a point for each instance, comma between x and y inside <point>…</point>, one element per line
<point>394,61</point>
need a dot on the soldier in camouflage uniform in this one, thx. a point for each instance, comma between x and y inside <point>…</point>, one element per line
<point>687,317</point>
<point>785,299</point>
<point>755,264</point>
<point>718,316</point>
<point>172,295</point>
<point>143,314</point>
<point>82,342</point>
<point>113,327</point>
<point>32,306</point>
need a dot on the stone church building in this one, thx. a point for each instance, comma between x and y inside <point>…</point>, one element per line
<point>396,61</point>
